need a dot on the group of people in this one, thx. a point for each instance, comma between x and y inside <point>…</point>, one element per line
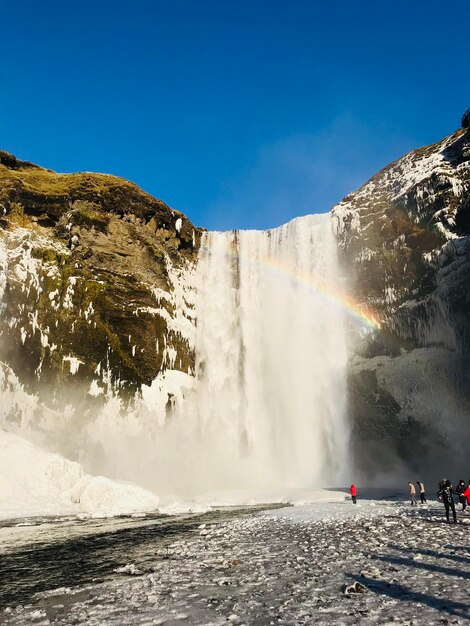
<point>445,494</point>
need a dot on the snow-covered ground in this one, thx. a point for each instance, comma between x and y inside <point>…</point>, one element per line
<point>288,566</point>
<point>36,482</point>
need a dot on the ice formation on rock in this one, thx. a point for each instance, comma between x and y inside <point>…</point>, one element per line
<point>36,482</point>
<point>404,240</point>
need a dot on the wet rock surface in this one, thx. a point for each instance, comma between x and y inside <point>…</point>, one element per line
<point>95,285</point>
<point>89,267</point>
<point>404,241</point>
<point>405,566</point>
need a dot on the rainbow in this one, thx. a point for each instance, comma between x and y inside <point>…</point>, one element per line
<point>345,302</point>
<point>358,312</point>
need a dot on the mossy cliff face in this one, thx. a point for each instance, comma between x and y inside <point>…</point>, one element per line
<point>97,296</point>
<point>405,249</point>
<point>95,280</point>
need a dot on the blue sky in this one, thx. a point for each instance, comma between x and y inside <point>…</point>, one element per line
<point>241,114</point>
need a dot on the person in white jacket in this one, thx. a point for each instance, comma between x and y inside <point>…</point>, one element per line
<point>422,491</point>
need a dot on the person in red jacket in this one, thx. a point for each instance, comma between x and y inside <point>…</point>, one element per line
<point>466,493</point>
<point>353,492</point>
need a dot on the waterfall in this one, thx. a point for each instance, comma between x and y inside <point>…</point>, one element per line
<point>268,407</point>
<point>265,409</point>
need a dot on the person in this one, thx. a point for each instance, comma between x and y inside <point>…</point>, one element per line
<point>460,491</point>
<point>466,493</point>
<point>422,491</point>
<point>441,484</point>
<point>446,494</point>
<point>353,492</point>
<point>412,494</point>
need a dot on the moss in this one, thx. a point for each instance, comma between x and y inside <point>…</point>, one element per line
<point>91,290</point>
<point>66,270</point>
<point>88,214</point>
<point>41,187</point>
<point>113,272</point>
<point>17,217</point>
<point>47,255</point>
<point>49,183</point>
<point>89,201</point>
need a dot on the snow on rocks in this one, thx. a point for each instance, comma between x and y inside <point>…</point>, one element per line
<point>354,588</point>
<point>73,362</point>
<point>176,307</point>
<point>98,495</point>
<point>36,482</point>
<point>169,384</point>
<point>130,569</point>
<point>95,390</point>
<point>412,204</point>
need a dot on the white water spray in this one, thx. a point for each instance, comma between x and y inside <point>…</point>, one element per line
<point>266,409</point>
<point>271,358</point>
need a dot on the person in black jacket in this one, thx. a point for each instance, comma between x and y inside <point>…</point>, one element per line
<point>459,490</point>
<point>446,494</point>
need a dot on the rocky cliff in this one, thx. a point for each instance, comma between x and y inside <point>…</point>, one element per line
<point>405,248</point>
<point>92,275</point>
<point>97,297</point>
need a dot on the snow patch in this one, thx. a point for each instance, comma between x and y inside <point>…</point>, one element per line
<point>95,390</point>
<point>36,482</point>
<point>73,362</point>
<point>169,386</point>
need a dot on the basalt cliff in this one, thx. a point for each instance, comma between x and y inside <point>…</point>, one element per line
<point>91,275</point>
<point>405,246</point>
<point>97,303</point>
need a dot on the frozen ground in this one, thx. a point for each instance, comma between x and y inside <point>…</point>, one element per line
<point>283,567</point>
<point>37,482</point>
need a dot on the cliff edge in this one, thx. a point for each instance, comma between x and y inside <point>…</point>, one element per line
<point>90,289</point>
<point>404,242</point>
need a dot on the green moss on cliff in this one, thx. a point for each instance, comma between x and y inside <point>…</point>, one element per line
<point>116,242</point>
<point>17,216</point>
<point>47,183</point>
<point>42,190</point>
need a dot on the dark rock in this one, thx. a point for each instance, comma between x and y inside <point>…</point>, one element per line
<point>466,119</point>
<point>97,247</point>
<point>354,588</point>
<point>404,242</point>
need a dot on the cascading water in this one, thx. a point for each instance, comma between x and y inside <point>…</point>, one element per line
<point>270,399</point>
<point>266,408</point>
<point>266,411</point>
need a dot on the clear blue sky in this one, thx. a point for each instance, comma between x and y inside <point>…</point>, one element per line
<point>239,113</point>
